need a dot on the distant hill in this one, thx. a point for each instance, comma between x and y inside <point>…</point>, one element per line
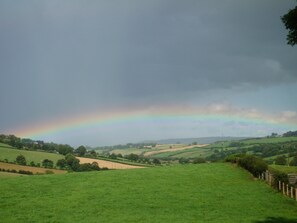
<point>201,140</point>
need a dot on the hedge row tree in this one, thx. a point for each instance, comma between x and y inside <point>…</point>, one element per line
<point>280,160</point>
<point>47,163</point>
<point>21,160</point>
<point>81,150</point>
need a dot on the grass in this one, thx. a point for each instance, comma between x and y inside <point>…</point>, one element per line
<point>189,193</point>
<point>186,153</point>
<point>270,140</point>
<point>10,154</point>
<point>284,169</point>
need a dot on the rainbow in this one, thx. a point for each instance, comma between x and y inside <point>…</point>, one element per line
<point>144,116</point>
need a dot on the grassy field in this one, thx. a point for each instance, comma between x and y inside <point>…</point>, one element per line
<point>183,193</point>
<point>37,157</point>
<point>269,140</point>
<point>285,169</point>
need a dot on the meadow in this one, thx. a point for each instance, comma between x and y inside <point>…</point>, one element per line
<point>10,154</point>
<point>216,192</point>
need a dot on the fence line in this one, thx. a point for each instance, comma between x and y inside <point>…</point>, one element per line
<point>285,189</point>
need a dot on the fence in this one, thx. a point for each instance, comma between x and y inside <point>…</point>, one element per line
<point>285,189</point>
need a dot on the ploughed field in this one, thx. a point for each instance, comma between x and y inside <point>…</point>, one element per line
<point>215,192</point>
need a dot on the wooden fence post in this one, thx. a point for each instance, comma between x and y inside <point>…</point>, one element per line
<point>279,186</point>
<point>292,195</point>
<point>287,186</point>
<point>283,184</point>
<point>296,194</point>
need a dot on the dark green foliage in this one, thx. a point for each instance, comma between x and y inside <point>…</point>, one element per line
<point>294,161</point>
<point>279,176</point>
<point>61,163</point>
<point>253,164</point>
<point>199,160</point>
<point>32,163</point>
<point>81,150</point>
<point>183,161</point>
<point>281,160</point>
<point>290,133</point>
<point>72,162</point>
<point>21,160</point>
<point>25,172</point>
<point>290,22</point>
<point>156,162</point>
<point>65,149</point>
<point>89,167</point>
<point>47,163</point>
<point>132,156</point>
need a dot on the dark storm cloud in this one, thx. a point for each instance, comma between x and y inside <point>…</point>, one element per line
<point>58,57</point>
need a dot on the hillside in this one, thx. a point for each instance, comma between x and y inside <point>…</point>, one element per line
<point>199,140</point>
<point>183,193</point>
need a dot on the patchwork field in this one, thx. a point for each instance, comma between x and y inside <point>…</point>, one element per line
<point>183,193</point>
<point>108,164</point>
<point>34,170</point>
<point>173,149</point>
<point>37,157</point>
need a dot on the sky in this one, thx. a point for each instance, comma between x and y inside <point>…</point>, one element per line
<point>109,72</point>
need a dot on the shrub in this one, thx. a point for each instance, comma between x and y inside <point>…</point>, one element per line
<point>253,164</point>
<point>21,160</point>
<point>199,160</point>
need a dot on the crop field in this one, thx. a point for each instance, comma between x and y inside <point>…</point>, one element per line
<point>108,164</point>
<point>183,193</point>
<point>37,157</point>
<point>34,170</point>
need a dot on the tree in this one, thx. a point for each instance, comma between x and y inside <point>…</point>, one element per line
<point>156,161</point>
<point>280,160</point>
<point>294,161</point>
<point>72,162</point>
<point>21,160</point>
<point>47,163</point>
<point>61,163</point>
<point>290,22</point>
<point>199,160</point>
<point>65,149</point>
<point>81,150</point>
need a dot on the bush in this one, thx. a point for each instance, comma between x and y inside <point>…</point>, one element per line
<point>25,172</point>
<point>253,164</point>
<point>21,160</point>
<point>280,176</point>
<point>199,160</point>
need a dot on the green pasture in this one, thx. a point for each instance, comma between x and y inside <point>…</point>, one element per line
<point>182,193</point>
<point>284,169</point>
<point>270,140</point>
<point>10,154</point>
<point>186,153</point>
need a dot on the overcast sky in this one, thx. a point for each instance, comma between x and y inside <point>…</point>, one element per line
<point>69,58</point>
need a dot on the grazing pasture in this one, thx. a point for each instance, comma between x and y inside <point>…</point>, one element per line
<point>37,157</point>
<point>184,193</point>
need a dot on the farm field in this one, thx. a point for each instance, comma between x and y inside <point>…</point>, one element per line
<point>37,157</point>
<point>269,140</point>
<point>34,170</point>
<point>108,164</point>
<point>173,149</point>
<point>182,193</point>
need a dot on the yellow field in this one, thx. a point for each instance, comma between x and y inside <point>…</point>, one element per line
<point>108,164</point>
